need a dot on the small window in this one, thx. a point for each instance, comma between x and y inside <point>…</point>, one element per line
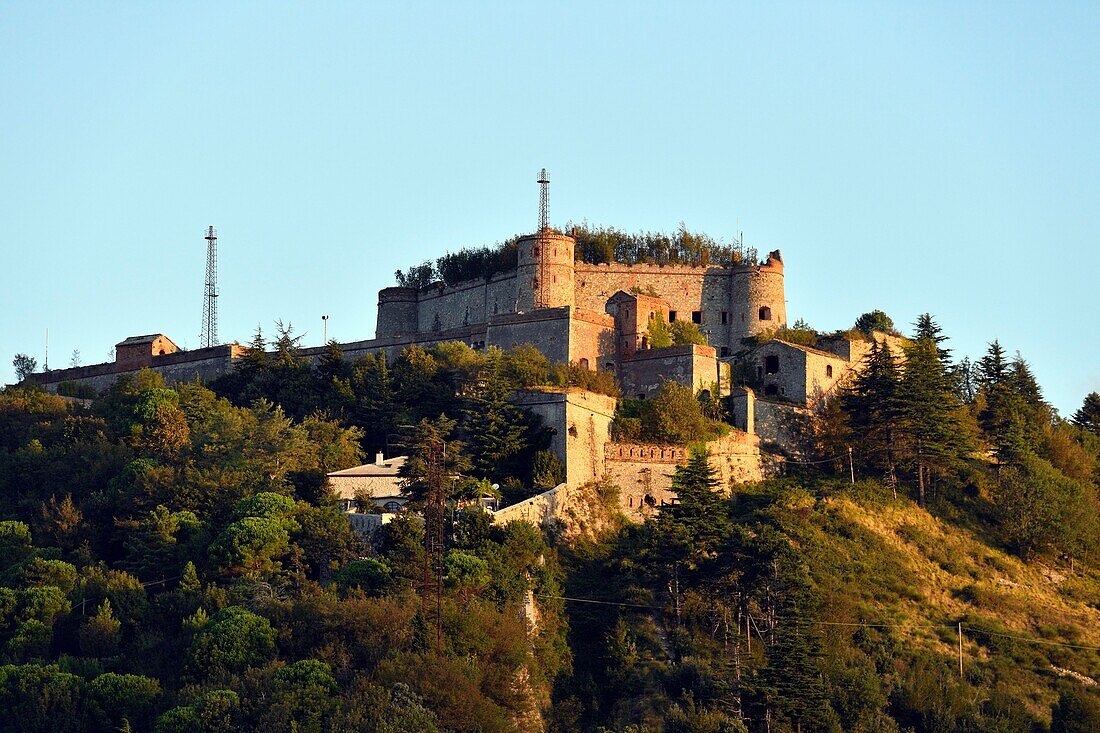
<point>697,316</point>
<point>771,364</point>
<point>584,364</point>
<point>160,353</point>
<point>645,342</point>
<point>671,316</point>
<point>765,313</point>
<point>630,500</point>
<point>535,251</point>
<point>535,283</point>
<point>725,351</point>
<point>392,506</point>
<point>609,366</point>
<point>641,395</point>
<point>828,370</point>
<point>650,501</point>
<point>771,390</point>
<point>725,317</point>
<point>553,278</point>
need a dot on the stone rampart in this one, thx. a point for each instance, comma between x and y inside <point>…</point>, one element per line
<point>643,473</point>
<point>690,365</point>
<point>180,366</point>
<point>581,421</point>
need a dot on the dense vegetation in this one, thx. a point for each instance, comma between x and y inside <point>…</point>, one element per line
<point>594,245</point>
<point>171,561</point>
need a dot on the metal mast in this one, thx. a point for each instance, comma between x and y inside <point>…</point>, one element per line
<point>544,230</point>
<point>209,335</point>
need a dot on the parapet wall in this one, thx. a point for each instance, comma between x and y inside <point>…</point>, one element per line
<point>690,365</point>
<point>643,473</point>
<point>180,366</point>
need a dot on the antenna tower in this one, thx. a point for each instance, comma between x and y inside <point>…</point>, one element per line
<point>209,335</point>
<point>544,230</point>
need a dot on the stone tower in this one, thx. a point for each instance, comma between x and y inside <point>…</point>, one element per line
<point>758,302</point>
<point>545,272</point>
<point>398,312</point>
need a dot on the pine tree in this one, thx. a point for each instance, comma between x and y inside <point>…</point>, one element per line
<point>1003,416</point>
<point>928,329</point>
<point>1088,417</point>
<point>494,425</point>
<point>927,409</point>
<point>873,410</point>
<point>700,515</point>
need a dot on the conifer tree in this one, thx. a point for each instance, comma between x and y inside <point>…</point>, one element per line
<point>494,425</point>
<point>1088,417</point>
<point>873,410</point>
<point>927,409</point>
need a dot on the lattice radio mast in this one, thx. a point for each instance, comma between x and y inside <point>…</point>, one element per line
<point>209,335</point>
<point>544,231</point>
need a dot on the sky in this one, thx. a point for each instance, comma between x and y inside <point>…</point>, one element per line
<point>909,157</point>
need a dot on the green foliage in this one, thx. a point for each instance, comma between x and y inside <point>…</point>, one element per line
<point>1077,711</point>
<point>117,700</point>
<point>1088,416</point>
<point>100,634</point>
<point>875,320</point>
<point>369,574</point>
<point>233,640</point>
<point>606,245</point>
<point>24,366</point>
<point>1041,510</point>
<point>674,416</point>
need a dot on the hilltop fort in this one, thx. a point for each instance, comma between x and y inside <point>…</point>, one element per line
<point>597,316</point>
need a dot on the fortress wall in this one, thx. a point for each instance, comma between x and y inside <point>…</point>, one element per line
<point>690,365</point>
<point>592,337</point>
<point>547,329</point>
<point>790,381</point>
<point>781,424</point>
<point>441,307</point>
<point>686,288</point>
<point>818,381</point>
<point>643,473</point>
<point>582,424</point>
<point>180,366</point>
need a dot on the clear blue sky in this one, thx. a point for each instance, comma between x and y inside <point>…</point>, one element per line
<point>908,157</point>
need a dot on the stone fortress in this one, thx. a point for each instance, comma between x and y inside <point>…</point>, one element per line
<point>596,316</point>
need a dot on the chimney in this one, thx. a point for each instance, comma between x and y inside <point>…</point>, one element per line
<point>378,458</point>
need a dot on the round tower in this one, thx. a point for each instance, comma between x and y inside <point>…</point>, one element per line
<point>398,312</point>
<point>757,299</point>
<point>545,271</point>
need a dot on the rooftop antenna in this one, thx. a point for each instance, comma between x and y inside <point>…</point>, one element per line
<point>544,200</point>
<point>209,336</point>
<point>544,229</point>
<point>46,366</point>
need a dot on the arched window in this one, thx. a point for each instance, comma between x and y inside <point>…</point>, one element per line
<point>534,283</point>
<point>765,313</point>
<point>584,364</point>
<point>160,353</point>
<point>392,506</point>
<point>535,251</point>
<point>645,342</point>
<point>828,370</point>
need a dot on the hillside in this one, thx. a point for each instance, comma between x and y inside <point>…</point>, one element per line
<point>885,586</point>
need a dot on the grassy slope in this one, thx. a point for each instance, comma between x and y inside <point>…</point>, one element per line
<point>892,562</point>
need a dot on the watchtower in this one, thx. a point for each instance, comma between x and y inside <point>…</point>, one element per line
<point>757,299</point>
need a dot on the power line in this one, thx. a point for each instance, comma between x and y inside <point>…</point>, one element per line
<point>853,624</point>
